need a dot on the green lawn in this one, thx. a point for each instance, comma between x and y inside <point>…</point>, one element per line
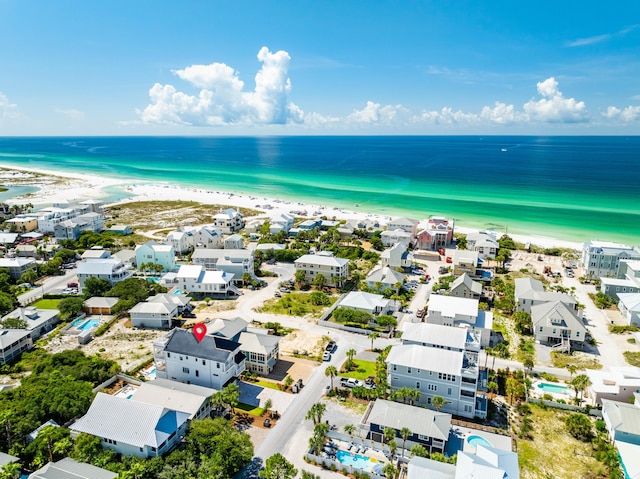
<point>295,304</point>
<point>266,384</point>
<point>363,371</point>
<point>47,304</point>
<point>254,411</point>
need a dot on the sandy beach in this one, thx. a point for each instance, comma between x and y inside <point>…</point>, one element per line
<point>80,187</point>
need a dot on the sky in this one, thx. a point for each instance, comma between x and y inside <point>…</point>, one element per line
<point>370,67</point>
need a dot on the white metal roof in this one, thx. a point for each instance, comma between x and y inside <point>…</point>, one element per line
<point>452,305</point>
<point>430,359</point>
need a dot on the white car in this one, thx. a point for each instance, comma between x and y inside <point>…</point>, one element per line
<point>326,356</point>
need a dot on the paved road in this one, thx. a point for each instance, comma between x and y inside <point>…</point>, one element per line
<point>49,285</point>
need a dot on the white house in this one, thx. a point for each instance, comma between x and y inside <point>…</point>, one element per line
<point>196,279</point>
<point>14,342</point>
<point>191,399</point>
<point>234,241</point>
<point>392,237</point>
<point>335,270</point>
<point>556,323</point>
<point>602,258</point>
<point>385,278</point>
<point>48,218</point>
<point>67,468</point>
<point>111,269</point>
<point>613,383</point>
<point>530,292</point>
<point>155,253</point>
<point>17,266</point>
<point>39,321</point>
<point>208,236</point>
<point>464,287</point>
<point>408,225</point>
<point>229,221</point>
<point>212,362</point>
<point>450,374</point>
<point>397,257</point>
<point>153,315</point>
<point>453,311</point>
<point>132,428</point>
<point>281,222</point>
<point>484,243</point>
<point>233,261</point>
<point>465,262</point>
<point>262,351</point>
<point>182,239</point>
<point>629,306</point>
<point>371,303</point>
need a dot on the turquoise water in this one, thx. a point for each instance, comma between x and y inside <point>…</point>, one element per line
<point>82,324</point>
<point>355,460</point>
<point>478,441</point>
<point>562,187</point>
<point>553,388</point>
<point>14,191</point>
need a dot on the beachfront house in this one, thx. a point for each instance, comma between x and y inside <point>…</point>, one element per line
<point>393,237</point>
<point>22,223</point>
<point>408,225</point>
<point>435,233</point>
<point>182,239</point>
<point>153,255</point>
<point>428,428</point>
<point>397,257</point>
<point>557,324</point>
<point>484,243</point>
<point>97,252</point>
<point>627,281</point>
<point>280,222</point>
<point>530,292</point>
<point>111,269</point>
<point>385,278</point>
<point>613,383</point>
<point>464,287</point>
<point>229,221</point>
<point>197,280</point>
<point>465,262</point>
<point>236,262</point>
<point>132,428</point>
<point>16,267</point>
<point>48,218</point>
<point>335,270</point>
<point>601,259</point>
<point>454,311</point>
<point>14,342</point>
<point>67,468</point>
<point>212,362</point>
<point>120,229</point>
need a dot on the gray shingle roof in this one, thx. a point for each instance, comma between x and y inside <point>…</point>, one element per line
<point>213,348</point>
<point>67,468</point>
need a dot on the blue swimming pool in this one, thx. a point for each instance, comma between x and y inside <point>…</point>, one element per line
<point>553,388</point>
<point>478,441</point>
<point>84,324</point>
<point>356,460</point>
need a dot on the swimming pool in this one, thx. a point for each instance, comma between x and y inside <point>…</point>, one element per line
<point>478,441</point>
<point>82,324</point>
<point>553,388</point>
<point>356,460</point>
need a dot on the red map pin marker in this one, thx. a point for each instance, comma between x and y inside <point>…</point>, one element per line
<point>199,331</point>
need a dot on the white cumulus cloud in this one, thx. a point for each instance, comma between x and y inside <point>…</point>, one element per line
<point>222,99</point>
<point>554,107</point>
<point>627,115</point>
<point>501,114</point>
<point>7,109</point>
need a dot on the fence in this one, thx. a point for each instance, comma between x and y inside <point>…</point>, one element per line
<point>567,407</point>
<point>323,321</point>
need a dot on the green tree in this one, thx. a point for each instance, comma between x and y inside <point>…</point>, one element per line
<point>316,412</point>
<point>579,426</point>
<point>405,432</point>
<point>95,287</point>
<point>387,321</point>
<point>320,281</point>
<point>523,322</point>
<point>389,470</point>
<point>419,451</point>
<point>277,467</point>
<point>268,404</point>
<point>308,475</point>
<point>373,336</point>
<point>10,471</point>
<point>580,383</point>
<point>70,307</point>
<point>318,298</point>
<point>350,429</point>
<point>331,372</point>
<point>8,302</point>
<point>389,434</point>
<point>438,402</point>
<point>14,323</point>
<point>300,278</point>
<point>393,447</point>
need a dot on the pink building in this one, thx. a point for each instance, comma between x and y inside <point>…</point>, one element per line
<point>435,233</point>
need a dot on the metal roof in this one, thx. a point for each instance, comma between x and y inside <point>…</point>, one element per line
<point>429,333</point>
<point>430,359</point>
<point>425,422</point>
<point>67,468</point>
<point>187,398</point>
<point>213,348</point>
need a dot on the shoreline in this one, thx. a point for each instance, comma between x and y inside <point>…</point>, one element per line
<point>87,186</point>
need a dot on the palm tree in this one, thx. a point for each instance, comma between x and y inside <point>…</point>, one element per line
<point>438,402</point>
<point>316,412</point>
<point>393,447</point>
<point>492,386</point>
<point>389,433</point>
<point>350,354</point>
<point>414,396</point>
<point>405,432</point>
<point>580,383</point>
<point>331,372</point>
<point>10,471</point>
<point>572,368</point>
<point>373,336</point>
<point>267,405</point>
<point>389,470</point>
<point>316,443</point>
<point>350,429</point>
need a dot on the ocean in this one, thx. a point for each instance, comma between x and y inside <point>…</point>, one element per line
<point>570,188</point>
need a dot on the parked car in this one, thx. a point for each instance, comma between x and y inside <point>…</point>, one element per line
<point>420,313</point>
<point>285,290</point>
<point>449,260</point>
<point>326,356</point>
<point>351,383</point>
<point>277,294</point>
<point>331,346</point>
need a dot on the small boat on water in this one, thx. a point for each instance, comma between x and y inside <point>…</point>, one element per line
<point>504,149</point>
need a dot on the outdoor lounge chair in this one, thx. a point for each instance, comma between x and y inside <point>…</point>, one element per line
<point>350,446</point>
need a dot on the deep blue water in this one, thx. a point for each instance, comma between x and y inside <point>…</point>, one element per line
<point>568,187</point>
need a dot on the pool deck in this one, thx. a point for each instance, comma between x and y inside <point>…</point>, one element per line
<point>458,440</point>
<point>537,392</point>
<point>375,455</point>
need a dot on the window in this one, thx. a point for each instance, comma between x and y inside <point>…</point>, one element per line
<point>197,373</point>
<point>577,334</point>
<point>185,370</point>
<point>448,390</point>
<point>418,385</point>
<point>408,370</point>
<point>541,328</point>
<point>203,362</point>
